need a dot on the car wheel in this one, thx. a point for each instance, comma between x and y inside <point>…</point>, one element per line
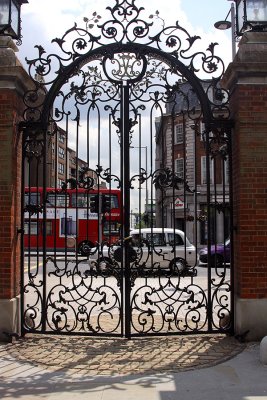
<point>216,260</point>
<point>85,248</point>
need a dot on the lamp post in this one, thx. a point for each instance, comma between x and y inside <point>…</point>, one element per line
<point>143,147</point>
<point>10,22</point>
<point>222,25</point>
<point>251,15</point>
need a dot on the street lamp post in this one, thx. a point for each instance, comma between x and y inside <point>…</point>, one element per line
<point>222,25</point>
<point>10,23</point>
<point>145,148</point>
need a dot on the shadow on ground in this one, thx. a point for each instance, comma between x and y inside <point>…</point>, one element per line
<point>85,355</point>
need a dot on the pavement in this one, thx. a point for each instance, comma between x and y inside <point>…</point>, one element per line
<point>188,367</point>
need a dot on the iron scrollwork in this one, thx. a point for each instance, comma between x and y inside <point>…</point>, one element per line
<point>125,30</point>
<point>94,63</point>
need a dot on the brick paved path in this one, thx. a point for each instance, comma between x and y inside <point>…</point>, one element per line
<point>90,356</point>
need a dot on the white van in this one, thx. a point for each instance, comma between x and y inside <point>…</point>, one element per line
<point>165,247</point>
<point>152,249</point>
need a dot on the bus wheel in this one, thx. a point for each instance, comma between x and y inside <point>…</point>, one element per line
<point>85,247</point>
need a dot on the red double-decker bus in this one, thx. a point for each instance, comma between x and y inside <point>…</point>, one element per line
<point>75,219</point>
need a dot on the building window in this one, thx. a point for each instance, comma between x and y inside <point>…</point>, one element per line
<point>204,170</point>
<point>60,182</point>
<point>72,172</point>
<point>202,131</point>
<point>179,167</point>
<point>61,168</point>
<point>61,138</point>
<point>53,148</point>
<point>61,152</point>
<point>179,133</point>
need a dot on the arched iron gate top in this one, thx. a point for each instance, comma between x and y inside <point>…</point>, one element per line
<point>127,32</point>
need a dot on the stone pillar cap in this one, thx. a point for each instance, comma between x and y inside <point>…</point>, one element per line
<point>7,42</point>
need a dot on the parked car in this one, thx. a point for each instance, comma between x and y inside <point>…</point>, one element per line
<point>219,255</point>
<point>162,248</point>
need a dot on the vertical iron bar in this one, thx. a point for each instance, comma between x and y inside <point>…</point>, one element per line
<point>139,186</point>
<point>184,178</point>
<point>231,203</point>
<point>126,203</point>
<point>195,195</point>
<point>209,308</point>
<point>122,277</point>
<point>173,125</point>
<point>162,165</point>
<point>100,216</point>
<point>44,132</point>
<point>67,197</point>
<point>56,144</point>
<point>23,330</point>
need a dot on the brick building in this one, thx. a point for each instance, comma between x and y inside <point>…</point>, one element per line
<point>181,146</point>
<point>62,163</point>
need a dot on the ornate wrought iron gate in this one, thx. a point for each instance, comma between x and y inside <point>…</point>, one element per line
<point>127,177</point>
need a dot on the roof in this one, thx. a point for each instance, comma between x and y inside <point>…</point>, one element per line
<point>185,98</point>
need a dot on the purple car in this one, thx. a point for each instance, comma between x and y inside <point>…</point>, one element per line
<point>219,254</point>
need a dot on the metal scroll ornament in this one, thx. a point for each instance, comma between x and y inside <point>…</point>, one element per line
<point>120,42</point>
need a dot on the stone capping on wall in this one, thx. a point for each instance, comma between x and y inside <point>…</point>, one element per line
<point>12,74</point>
<point>250,63</point>
<point>15,78</point>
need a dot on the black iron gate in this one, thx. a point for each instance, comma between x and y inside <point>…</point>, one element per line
<point>127,182</point>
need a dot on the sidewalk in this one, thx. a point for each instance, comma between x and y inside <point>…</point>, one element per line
<point>164,368</point>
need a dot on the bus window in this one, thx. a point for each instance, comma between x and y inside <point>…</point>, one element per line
<point>49,228</point>
<point>110,228</point>
<point>57,200</point>
<point>79,200</point>
<point>31,228</point>
<point>32,198</point>
<point>113,200</point>
<point>36,228</point>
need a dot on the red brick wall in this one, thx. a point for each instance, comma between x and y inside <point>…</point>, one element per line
<point>249,108</point>
<point>10,171</point>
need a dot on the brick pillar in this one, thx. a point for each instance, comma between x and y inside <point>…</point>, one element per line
<point>246,78</point>
<point>14,81</point>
